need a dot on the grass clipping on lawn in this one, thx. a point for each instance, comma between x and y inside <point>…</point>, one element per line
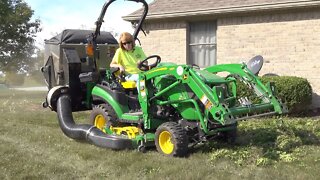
<point>270,141</point>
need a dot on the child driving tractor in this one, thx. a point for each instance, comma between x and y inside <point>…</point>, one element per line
<point>127,57</point>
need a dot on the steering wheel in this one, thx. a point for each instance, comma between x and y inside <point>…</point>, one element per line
<point>144,65</point>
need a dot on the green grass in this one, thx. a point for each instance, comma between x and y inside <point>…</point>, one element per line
<point>32,146</point>
<point>31,82</point>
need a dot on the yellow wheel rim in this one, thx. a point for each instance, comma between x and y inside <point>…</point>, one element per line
<point>165,142</point>
<point>100,122</point>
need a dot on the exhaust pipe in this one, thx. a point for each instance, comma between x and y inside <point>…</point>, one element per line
<point>85,131</point>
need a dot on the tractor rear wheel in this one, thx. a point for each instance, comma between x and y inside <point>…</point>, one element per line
<point>102,115</point>
<point>171,139</point>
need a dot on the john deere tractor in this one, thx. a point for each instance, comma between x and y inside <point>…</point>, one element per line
<point>171,107</point>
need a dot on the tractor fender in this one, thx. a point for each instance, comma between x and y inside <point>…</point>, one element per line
<point>117,100</point>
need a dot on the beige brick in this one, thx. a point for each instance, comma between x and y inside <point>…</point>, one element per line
<point>289,42</point>
<point>167,40</point>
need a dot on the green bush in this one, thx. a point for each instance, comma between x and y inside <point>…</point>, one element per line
<point>13,79</point>
<point>296,92</point>
<point>2,80</point>
<point>37,76</point>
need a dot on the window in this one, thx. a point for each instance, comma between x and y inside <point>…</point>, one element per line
<point>202,43</point>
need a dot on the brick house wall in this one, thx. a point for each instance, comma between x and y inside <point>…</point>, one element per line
<point>167,39</point>
<point>289,43</point>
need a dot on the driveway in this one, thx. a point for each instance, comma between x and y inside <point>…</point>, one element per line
<point>40,88</point>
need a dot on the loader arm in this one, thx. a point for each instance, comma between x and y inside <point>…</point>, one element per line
<point>265,92</point>
<point>210,105</point>
<point>185,75</point>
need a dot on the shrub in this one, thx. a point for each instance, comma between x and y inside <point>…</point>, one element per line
<point>2,80</point>
<point>296,92</point>
<point>37,76</point>
<point>13,79</point>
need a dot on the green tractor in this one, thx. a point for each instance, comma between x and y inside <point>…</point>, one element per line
<point>172,107</point>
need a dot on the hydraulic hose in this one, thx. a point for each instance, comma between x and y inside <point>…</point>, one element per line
<point>85,131</point>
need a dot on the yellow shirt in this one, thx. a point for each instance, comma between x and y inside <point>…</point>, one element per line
<point>129,59</point>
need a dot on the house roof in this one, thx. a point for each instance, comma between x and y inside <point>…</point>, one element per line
<point>161,9</point>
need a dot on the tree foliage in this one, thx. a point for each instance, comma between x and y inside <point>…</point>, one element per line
<point>17,33</point>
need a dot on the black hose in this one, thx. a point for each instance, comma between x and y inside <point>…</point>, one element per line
<point>85,131</point>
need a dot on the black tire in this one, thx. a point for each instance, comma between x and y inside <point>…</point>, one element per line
<point>171,140</point>
<point>102,116</point>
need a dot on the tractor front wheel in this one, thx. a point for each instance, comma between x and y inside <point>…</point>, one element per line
<point>171,139</point>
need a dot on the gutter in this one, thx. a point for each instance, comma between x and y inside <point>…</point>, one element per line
<point>227,10</point>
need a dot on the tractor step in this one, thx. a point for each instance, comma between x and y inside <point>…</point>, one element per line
<point>132,117</point>
<point>138,113</point>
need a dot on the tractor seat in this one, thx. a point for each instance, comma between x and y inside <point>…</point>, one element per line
<point>125,84</point>
<point>129,85</point>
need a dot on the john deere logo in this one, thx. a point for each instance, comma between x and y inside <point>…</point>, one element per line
<point>138,56</point>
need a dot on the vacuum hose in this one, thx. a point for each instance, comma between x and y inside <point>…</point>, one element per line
<point>85,131</point>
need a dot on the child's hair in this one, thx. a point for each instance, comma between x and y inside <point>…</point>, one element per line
<point>126,37</point>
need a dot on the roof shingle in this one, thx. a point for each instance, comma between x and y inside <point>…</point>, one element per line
<point>178,8</point>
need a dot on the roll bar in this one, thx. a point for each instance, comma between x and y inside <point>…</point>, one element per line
<point>103,12</point>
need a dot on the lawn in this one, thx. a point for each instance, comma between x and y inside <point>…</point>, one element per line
<point>32,146</point>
